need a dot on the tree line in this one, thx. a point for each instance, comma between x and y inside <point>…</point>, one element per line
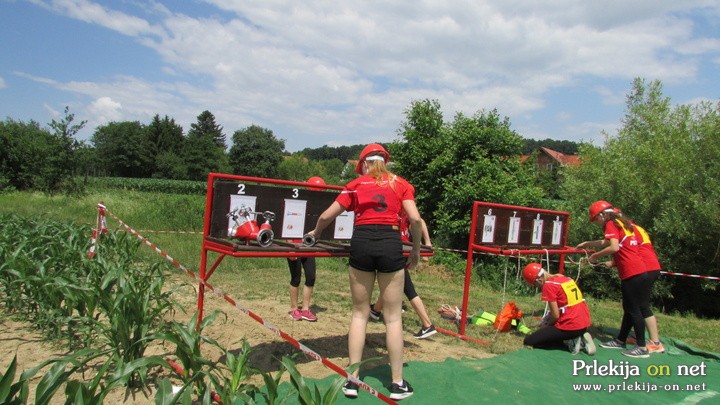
<point>661,168</point>
<point>162,150</point>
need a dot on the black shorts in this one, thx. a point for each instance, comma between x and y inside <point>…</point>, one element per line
<point>377,248</point>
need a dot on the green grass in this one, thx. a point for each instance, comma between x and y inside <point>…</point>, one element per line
<point>436,284</point>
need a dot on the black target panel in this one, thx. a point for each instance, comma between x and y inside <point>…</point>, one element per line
<point>269,197</point>
<point>519,227</point>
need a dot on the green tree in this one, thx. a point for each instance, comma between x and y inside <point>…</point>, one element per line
<point>454,164</point>
<point>661,169</point>
<point>85,161</point>
<point>332,170</point>
<point>62,163</point>
<point>24,146</point>
<point>166,141</point>
<point>342,153</point>
<point>165,135</point>
<point>256,152</point>
<point>204,149</point>
<point>122,149</point>
<point>566,147</point>
<point>206,126</point>
<point>297,167</point>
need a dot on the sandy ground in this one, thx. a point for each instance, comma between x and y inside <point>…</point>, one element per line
<point>327,337</point>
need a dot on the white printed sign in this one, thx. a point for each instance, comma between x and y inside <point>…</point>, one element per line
<point>240,202</point>
<point>514,230</point>
<point>537,231</point>
<point>488,231</point>
<point>344,225</point>
<point>557,231</point>
<point>294,219</point>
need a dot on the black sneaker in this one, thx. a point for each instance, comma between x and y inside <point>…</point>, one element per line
<point>350,389</point>
<point>425,333</point>
<point>637,352</point>
<point>398,391</point>
<point>613,344</point>
<point>374,315</point>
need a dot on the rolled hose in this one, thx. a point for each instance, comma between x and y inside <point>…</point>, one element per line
<point>309,240</point>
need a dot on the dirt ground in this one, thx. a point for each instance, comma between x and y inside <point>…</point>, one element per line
<point>327,337</point>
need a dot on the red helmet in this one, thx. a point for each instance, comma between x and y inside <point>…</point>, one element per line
<point>316,180</point>
<point>531,272</point>
<point>598,207</point>
<point>373,148</point>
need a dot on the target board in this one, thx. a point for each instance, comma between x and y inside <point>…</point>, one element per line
<point>290,209</point>
<point>515,227</point>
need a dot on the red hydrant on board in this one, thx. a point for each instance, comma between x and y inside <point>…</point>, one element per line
<point>247,229</point>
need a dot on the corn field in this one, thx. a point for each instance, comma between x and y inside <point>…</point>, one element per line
<point>107,310</point>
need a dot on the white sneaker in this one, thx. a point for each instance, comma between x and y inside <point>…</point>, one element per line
<point>588,344</point>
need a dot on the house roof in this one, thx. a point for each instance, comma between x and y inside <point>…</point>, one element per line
<point>568,160</point>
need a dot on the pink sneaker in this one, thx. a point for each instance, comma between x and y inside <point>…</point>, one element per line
<point>296,314</point>
<point>308,315</point>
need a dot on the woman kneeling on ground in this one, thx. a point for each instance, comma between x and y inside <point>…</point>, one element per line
<point>569,317</point>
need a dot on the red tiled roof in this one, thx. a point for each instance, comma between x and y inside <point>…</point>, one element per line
<point>569,160</point>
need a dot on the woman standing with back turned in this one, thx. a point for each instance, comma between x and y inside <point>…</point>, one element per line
<point>621,244</point>
<point>376,252</point>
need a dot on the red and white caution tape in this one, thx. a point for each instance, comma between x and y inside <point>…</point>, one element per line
<point>173,232</point>
<point>670,273</point>
<point>276,331</point>
<point>100,227</point>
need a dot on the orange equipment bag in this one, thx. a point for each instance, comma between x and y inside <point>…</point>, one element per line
<point>504,320</point>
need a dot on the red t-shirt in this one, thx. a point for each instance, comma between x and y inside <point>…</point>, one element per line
<point>574,312</point>
<point>646,249</point>
<point>376,202</point>
<point>627,258</point>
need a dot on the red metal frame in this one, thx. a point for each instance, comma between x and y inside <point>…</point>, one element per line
<point>225,250</point>
<point>474,247</point>
<point>323,249</point>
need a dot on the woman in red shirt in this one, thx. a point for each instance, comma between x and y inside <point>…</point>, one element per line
<point>652,270</point>
<point>621,244</point>
<point>376,253</point>
<point>569,315</point>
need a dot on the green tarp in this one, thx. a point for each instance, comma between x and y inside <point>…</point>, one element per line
<point>682,375</point>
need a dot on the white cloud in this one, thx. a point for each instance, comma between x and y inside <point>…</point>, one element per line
<point>85,10</point>
<point>346,71</point>
<point>2,83</point>
<point>105,110</point>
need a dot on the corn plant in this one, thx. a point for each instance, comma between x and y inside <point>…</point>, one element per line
<point>188,338</point>
<point>133,304</point>
<point>95,391</point>
<point>17,393</point>
<point>305,395</point>
<point>229,377</point>
<point>270,393</point>
<point>111,304</point>
<point>40,267</point>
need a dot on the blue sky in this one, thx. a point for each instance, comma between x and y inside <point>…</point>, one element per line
<point>343,72</point>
